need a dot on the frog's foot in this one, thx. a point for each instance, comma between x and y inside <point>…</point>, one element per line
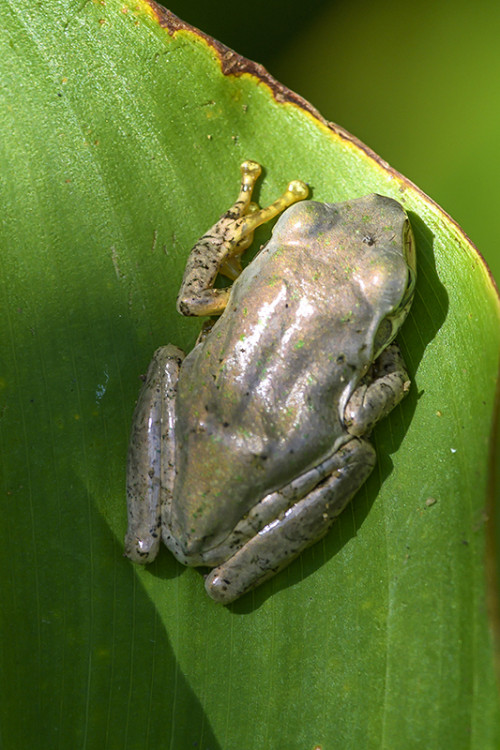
<point>151,456</point>
<point>231,265</point>
<point>219,250</point>
<point>284,538</point>
<point>386,384</point>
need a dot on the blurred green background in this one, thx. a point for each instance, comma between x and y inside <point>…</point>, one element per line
<point>418,83</point>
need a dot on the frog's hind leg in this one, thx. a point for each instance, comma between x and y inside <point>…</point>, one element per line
<point>219,250</point>
<point>284,538</point>
<point>150,463</point>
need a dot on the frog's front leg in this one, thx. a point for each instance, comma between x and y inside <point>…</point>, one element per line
<point>385,386</point>
<point>150,464</point>
<point>302,524</point>
<point>219,249</point>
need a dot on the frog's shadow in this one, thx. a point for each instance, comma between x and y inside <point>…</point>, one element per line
<point>428,312</point>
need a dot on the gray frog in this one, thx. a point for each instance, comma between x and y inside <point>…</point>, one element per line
<point>244,452</point>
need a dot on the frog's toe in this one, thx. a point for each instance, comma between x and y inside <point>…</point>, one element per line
<point>221,589</point>
<point>143,550</point>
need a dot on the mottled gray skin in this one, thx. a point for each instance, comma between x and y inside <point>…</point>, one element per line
<point>244,454</point>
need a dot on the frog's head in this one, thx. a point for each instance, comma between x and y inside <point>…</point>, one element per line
<point>386,272</point>
<point>367,246</point>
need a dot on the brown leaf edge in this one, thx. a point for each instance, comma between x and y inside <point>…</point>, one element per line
<point>236,65</point>
<point>233,64</point>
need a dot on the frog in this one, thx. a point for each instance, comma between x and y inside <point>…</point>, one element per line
<point>245,451</point>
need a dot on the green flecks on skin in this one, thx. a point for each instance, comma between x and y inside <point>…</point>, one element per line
<point>299,344</point>
<point>275,279</point>
<point>242,337</point>
<point>349,270</point>
<point>261,367</point>
<point>232,398</point>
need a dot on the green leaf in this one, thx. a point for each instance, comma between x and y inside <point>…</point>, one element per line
<point>122,133</point>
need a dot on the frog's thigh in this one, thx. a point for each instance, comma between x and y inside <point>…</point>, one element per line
<point>150,454</point>
<point>272,506</point>
<point>303,524</point>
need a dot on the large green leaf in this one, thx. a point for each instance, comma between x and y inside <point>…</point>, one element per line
<point>122,133</point>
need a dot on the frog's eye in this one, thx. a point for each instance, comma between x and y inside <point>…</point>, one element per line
<point>390,325</point>
<point>410,290</point>
<point>409,248</point>
<point>382,337</point>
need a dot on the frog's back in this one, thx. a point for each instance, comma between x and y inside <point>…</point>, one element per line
<point>301,319</point>
<point>265,390</point>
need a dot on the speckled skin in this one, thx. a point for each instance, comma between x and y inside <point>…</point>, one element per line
<point>243,453</point>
